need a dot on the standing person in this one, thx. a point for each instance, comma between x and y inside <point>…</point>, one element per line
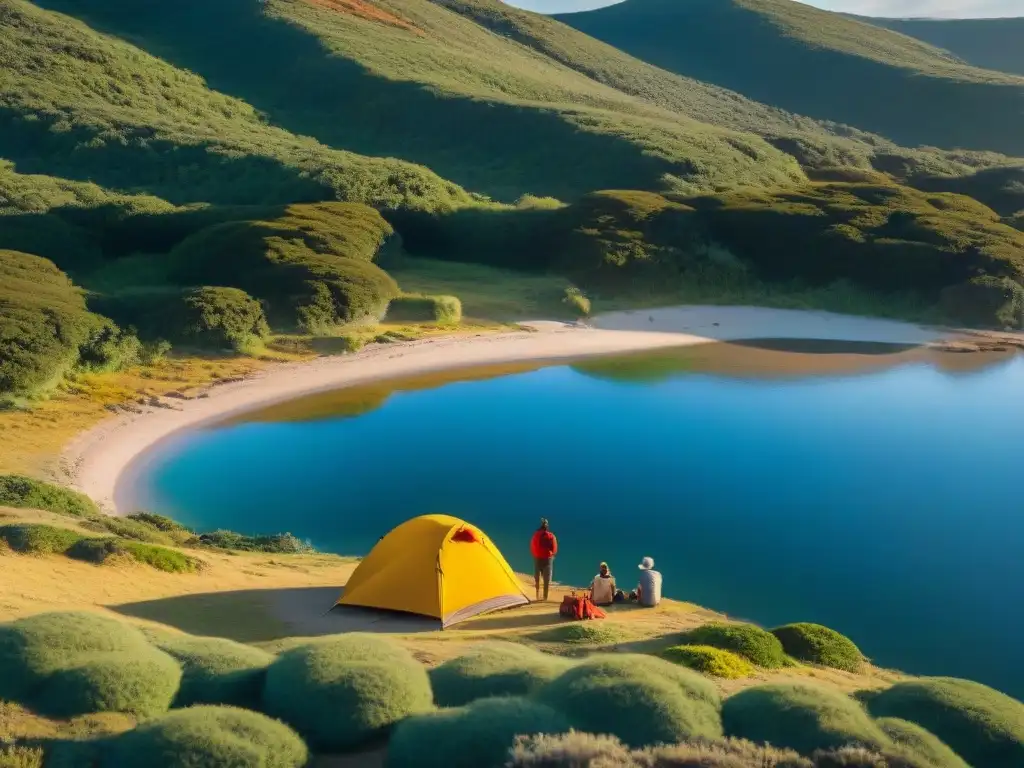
<point>543,547</point>
<point>648,591</point>
<point>602,588</point>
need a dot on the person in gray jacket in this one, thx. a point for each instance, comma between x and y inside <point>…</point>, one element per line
<point>648,591</point>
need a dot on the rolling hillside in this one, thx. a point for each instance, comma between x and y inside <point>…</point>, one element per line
<point>990,43</point>
<point>822,65</point>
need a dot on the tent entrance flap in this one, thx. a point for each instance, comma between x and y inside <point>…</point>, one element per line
<point>437,566</point>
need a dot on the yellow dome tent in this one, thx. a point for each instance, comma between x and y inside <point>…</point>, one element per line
<point>438,566</point>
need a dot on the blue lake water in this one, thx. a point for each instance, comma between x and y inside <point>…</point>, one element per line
<point>879,494</point>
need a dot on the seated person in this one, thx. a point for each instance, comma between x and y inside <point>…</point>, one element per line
<point>648,591</point>
<point>602,588</point>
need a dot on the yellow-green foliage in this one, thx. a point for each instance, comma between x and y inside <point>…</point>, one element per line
<point>163,559</point>
<point>920,744</point>
<point>211,737</point>
<point>66,664</point>
<point>640,699</point>
<point>43,324</point>
<point>345,691</point>
<point>412,308</point>
<point>217,671</point>
<point>21,757</point>
<point>985,727</point>
<point>38,539</point>
<point>800,716</point>
<point>751,642</point>
<point>816,644</point>
<point>29,493</point>
<point>493,669</point>
<point>312,264</point>
<point>576,301</point>
<point>710,661</point>
<point>583,633</point>
<point>478,735</point>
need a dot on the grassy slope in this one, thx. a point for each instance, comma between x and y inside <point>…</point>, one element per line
<point>80,105</point>
<point>990,43</point>
<point>438,89</point>
<point>774,51</point>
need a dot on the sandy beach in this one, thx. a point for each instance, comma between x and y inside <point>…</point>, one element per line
<point>95,461</point>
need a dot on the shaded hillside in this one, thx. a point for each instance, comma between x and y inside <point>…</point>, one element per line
<point>990,43</point>
<point>438,89</point>
<point>80,105</point>
<point>823,65</point>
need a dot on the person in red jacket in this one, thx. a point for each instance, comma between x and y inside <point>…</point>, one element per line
<point>543,547</point>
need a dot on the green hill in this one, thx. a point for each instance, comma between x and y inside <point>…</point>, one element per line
<point>990,43</point>
<point>823,65</point>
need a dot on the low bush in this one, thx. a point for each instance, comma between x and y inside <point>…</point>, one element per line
<point>493,669</point>
<point>982,725</point>
<point>217,671</point>
<point>345,691</point>
<point>34,647</point>
<point>160,522</point>
<point>226,318</point>
<point>410,308</point>
<point>583,633</point>
<point>478,735</point>
<point>640,699</point>
<point>27,493</point>
<point>142,682</point>
<point>278,543</point>
<point>986,302</point>
<point>576,301</point>
<point>127,528</point>
<point>747,640</point>
<point>816,644</point>
<point>98,551</point>
<point>20,757</point>
<point>38,539</point>
<point>570,750</point>
<point>800,716</point>
<point>920,744</point>
<point>710,661</point>
<point>211,737</point>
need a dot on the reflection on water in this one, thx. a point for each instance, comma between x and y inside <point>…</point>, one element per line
<point>871,489</point>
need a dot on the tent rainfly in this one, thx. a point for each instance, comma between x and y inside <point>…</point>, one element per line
<point>437,566</point>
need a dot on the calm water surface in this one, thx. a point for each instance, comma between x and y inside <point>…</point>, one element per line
<point>879,494</point>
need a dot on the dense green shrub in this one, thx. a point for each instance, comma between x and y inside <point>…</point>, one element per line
<point>311,265</point>
<point>25,492</point>
<point>222,317</point>
<point>985,302</point>
<point>640,699</point>
<point>478,734</point>
<point>141,682</point>
<point>800,716</point>
<point>816,644</point>
<point>217,671</point>
<point>38,539</point>
<point>43,324</point>
<point>751,642</point>
<point>34,647</point>
<point>163,559</point>
<point>211,737</point>
<point>710,661</point>
<point>346,690</point>
<point>278,543</point>
<point>493,669</point>
<point>583,633</point>
<point>982,725</point>
<point>576,301</point>
<point>411,308</point>
<point>160,522</point>
<point>918,743</point>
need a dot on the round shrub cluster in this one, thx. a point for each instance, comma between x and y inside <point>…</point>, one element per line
<point>640,699</point>
<point>479,735</point>
<point>800,716</point>
<point>919,744</point>
<point>710,661</point>
<point>226,318</point>
<point>217,671</point>
<point>493,669</point>
<point>25,492</point>
<point>583,633</point>
<point>347,690</point>
<point>749,641</point>
<point>982,725</point>
<point>413,308</point>
<point>211,737</point>
<point>38,539</point>
<point>36,646</point>
<point>816,644</point>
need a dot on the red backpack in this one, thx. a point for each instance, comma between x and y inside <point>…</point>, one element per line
<point>579,607</point>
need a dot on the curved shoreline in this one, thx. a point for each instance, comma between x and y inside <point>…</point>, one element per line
<point>102,459</point>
